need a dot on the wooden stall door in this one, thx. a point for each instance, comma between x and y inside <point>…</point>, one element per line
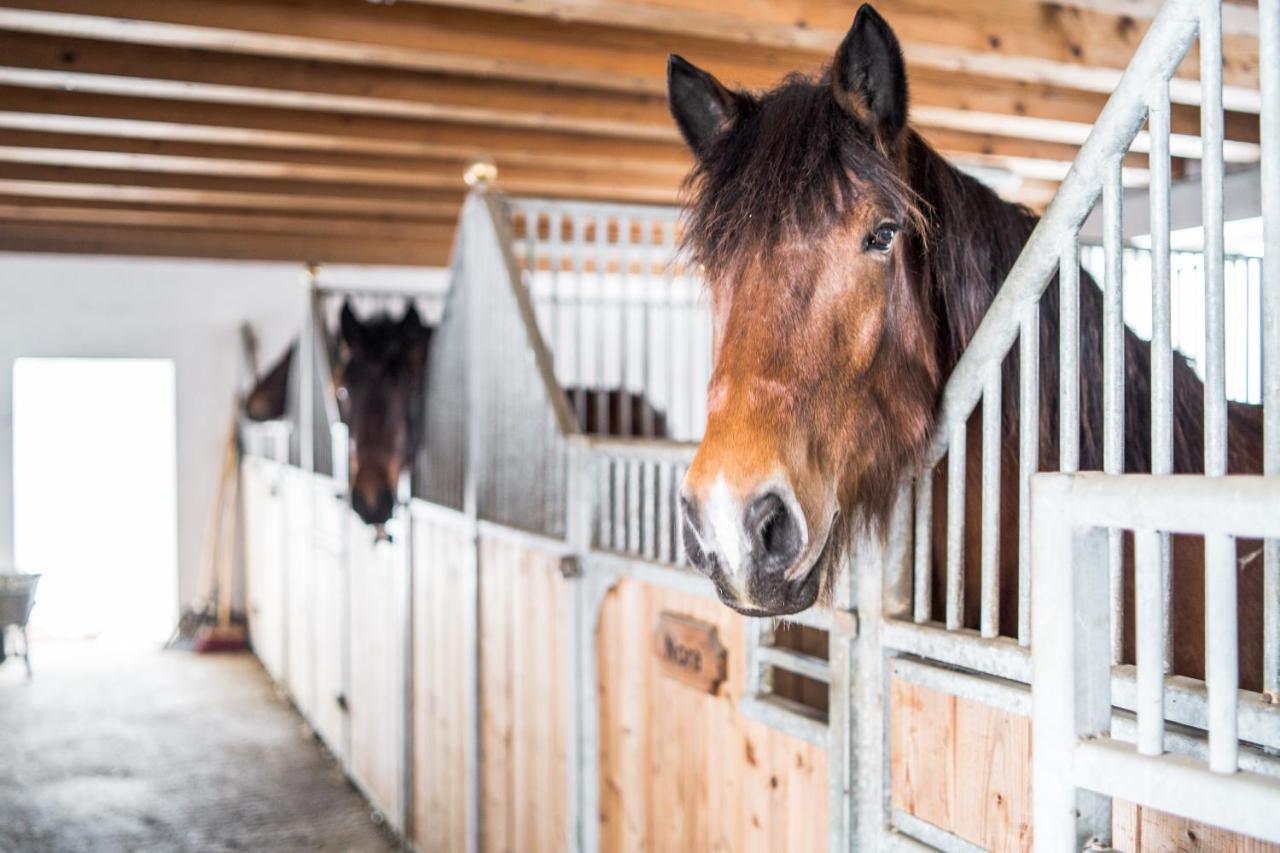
<point>264,562</point>
<point>300,588</point>
<point>682,769</point>
<point>524,642</point>
<point>444,636</point>
<point>329,584</point>
<point>376,701</point>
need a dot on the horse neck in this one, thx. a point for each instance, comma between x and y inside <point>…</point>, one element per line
<point>974,239</point>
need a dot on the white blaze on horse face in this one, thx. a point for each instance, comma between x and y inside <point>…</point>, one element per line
<point>724,522</point>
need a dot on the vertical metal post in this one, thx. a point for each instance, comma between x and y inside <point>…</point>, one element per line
<point>1113,365</point>
<point>1068,356</point>
<point>1028,456</point>
<point>599,378</point>
<point>1161,320</point>
<point>307,374</point>
<point>473,401</point>
<point>1071,695</point>
<point>955,527</point>
<point>1211,129</point>
<point>578,534</point>
<point>1150,633</point>
<point>1269,74</point>
<point>992,418</point>
<point>923,580</point>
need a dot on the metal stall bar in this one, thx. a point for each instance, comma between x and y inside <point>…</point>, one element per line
<point>1221,655</point>
<point>1069,355</point>
<point>1161,317</point>
<point>955,527</point>
<point>990,568</point>
<point>1269,74</point>
<point>1150,633</point>
<point>1113,365</point>
<point>1028,456</point>
<point>923,560</point>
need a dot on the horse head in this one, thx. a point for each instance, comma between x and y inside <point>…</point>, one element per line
<point>826,369</point>
<point>378,380</point>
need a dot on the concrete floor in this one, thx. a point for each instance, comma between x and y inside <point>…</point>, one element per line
<point>125,749</point>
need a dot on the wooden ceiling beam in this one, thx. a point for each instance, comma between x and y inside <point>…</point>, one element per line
<point>1025,111</point>
<point>1071,47</point>
<point>20,235</point>
<point>88,65</point>
<point>49,181</point>
<point>181,119</point>
<point>289,166</point>
<point>28,209</point>
<point>227,77</point>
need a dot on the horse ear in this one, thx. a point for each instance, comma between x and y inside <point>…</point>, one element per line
<point>350,326</point>
<point>868,76</point>
<point>702,107</point>
<point>411,324</point>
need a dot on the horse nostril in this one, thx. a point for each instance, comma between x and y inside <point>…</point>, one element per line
<point>775,535</point>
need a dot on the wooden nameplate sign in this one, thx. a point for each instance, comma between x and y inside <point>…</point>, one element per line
<point>690,651</point>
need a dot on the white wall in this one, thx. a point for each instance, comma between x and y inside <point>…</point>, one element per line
<point>188,311</point>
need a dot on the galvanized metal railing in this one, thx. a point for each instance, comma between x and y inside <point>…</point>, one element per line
<point>1015,317</point>
<point>1083,753</point>
<point>618,309</point>
<point>1081,645</point>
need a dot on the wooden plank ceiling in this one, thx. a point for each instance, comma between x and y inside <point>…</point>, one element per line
<point>339,130</point>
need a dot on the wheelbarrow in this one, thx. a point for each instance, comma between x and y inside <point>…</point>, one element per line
<point>17,597</point>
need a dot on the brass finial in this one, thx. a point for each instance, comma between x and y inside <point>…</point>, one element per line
<point>481,173</point>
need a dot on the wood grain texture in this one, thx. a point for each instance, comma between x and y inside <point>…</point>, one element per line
<point>444,636</point>
<point>682,770</point>
<point>376,699</point>
<point>524,641</point>
<point>962,766</point>
<point>1138,829</point>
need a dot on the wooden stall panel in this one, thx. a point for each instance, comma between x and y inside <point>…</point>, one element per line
<point>300,588</point>
<point>264,562</point>
<point>1138,829</point>
<point>329,585</point>
<point>444,636</point>
<point>524,641</point>
<point>682,769</point>
<point>377,697</point>
<point>962,766</point>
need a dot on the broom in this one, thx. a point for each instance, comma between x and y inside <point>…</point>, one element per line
<point>209,626</point>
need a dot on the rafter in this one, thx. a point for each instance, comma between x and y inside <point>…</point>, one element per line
<point>379,96</point>
<point>1070,47</point>
<point>23,236</point>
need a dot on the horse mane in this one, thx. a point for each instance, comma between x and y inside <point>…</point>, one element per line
<point>794,165</point>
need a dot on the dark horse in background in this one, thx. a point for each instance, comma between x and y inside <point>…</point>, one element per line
<point>379,379</point>
<point>379,375</point>
<point>848,266</point>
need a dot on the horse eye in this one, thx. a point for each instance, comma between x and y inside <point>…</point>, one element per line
<point>881,240</point>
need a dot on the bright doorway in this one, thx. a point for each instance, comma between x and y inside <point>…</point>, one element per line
<point>95,495</point>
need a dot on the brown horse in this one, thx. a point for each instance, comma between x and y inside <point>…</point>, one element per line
<point>379,380</point>
<point>268,400</point>
<point>848,266</point>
